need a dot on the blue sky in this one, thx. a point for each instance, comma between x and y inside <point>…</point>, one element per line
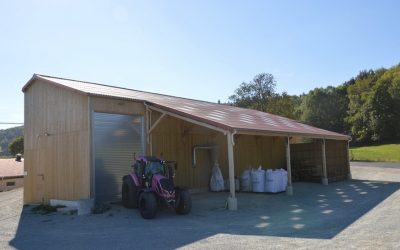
<point>197,49</point>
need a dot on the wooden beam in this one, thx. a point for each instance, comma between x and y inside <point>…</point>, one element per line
<point>156,123</point>
<point>325,173</point>
<point>148,124</point>
<point>151,128</point>
<point>232,202</point>
<point>289,188</point>
<point>349,177</point>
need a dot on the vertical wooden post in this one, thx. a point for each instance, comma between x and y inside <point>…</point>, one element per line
<point>349,177</point>
<point>325,173</point>
<point>289,188</point>
<point>92,166</point>
<point>151,145</point>
<point>232,201</point>
<point>149,136</point>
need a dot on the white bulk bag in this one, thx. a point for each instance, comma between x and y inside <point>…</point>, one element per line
<point>269,181</point>
<point>272,181</point>
<point>217,181</point>
<point>258,180</point>
<point>246,181</point>
<point>284,180</point>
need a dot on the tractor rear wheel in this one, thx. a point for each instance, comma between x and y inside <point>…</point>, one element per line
<point>184,201</point>
<point>130,193</point>
<point>148,205</point>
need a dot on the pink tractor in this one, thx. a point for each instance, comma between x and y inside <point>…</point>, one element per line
<point>151,183</point>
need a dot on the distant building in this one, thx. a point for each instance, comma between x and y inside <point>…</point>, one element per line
<point>11,174</point>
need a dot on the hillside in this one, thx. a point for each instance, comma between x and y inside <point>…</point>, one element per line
<point>6,136</point>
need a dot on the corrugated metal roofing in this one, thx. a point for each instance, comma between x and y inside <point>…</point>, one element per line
<point>219,115</point>
<point>11,168</point>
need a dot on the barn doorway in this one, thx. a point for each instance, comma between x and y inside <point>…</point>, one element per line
<point>116,138</point>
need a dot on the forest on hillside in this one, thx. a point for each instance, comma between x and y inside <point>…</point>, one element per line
<point>367,106</point>
<point>7,136</point>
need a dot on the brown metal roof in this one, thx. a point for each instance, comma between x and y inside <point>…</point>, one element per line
<point>219,115</point>
<point>11,168</point>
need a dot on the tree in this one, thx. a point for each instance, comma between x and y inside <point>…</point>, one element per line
<point>385,107</point>
<point>325,108</point>
<point>357,115</point>
<point>255,94</point>
<point>260,94</point>
<point>284,105</point>
<point>6,136</point>
<point>17,146</point>
<point>374,105</point>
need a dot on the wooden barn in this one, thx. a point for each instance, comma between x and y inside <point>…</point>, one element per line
<point>80,139</point>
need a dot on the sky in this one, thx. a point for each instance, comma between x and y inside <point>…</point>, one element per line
<point>196,49</point>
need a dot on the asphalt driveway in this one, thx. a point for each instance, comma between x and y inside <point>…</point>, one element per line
<point>362,213</point>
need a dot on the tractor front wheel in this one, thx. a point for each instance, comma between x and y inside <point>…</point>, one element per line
<point>130,193</point>
<point>184,201</point>
<point>148,205</point>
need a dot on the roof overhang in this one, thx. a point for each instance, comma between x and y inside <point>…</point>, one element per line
<point>225,129</point>
<point>291,134</point>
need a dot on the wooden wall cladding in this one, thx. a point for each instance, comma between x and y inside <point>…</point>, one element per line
<point>56,144</point>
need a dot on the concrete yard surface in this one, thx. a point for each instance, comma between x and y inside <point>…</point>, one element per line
<point>358,214</point>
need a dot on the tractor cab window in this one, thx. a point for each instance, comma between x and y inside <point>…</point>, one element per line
<point>154,167</point>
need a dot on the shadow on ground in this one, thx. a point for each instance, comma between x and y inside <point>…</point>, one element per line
<point>314,211</point>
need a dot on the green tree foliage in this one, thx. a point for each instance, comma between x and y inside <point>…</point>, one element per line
<point>325,108</point>
<point>16,146</point>
<point>6,136</point>
<point>260,94</point>
<point>367,107</point>
<point>374,105</point>
<point>284,105</point>
<point>255,94</point>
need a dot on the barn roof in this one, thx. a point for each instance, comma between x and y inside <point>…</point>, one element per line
<point>219,115</point>
<point>11,168</point>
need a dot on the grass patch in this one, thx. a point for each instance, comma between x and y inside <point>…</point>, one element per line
<point>387,153</point>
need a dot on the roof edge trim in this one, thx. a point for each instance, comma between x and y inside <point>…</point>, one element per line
<point>37,77</point>
<point>288,134</point>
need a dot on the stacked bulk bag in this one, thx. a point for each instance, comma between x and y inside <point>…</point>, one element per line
<point>258,180</point>
<point>269,181</point>
<point>217,181</point>
<point>246,184</point>
<point>284,179</point>
<point>272,183</point>
<point>275,180</point>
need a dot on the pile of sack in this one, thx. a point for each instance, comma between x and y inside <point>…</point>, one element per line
<point>252,180</point>
<point>260,180</point>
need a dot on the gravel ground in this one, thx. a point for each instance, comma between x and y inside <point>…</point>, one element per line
<point>357,214</point>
